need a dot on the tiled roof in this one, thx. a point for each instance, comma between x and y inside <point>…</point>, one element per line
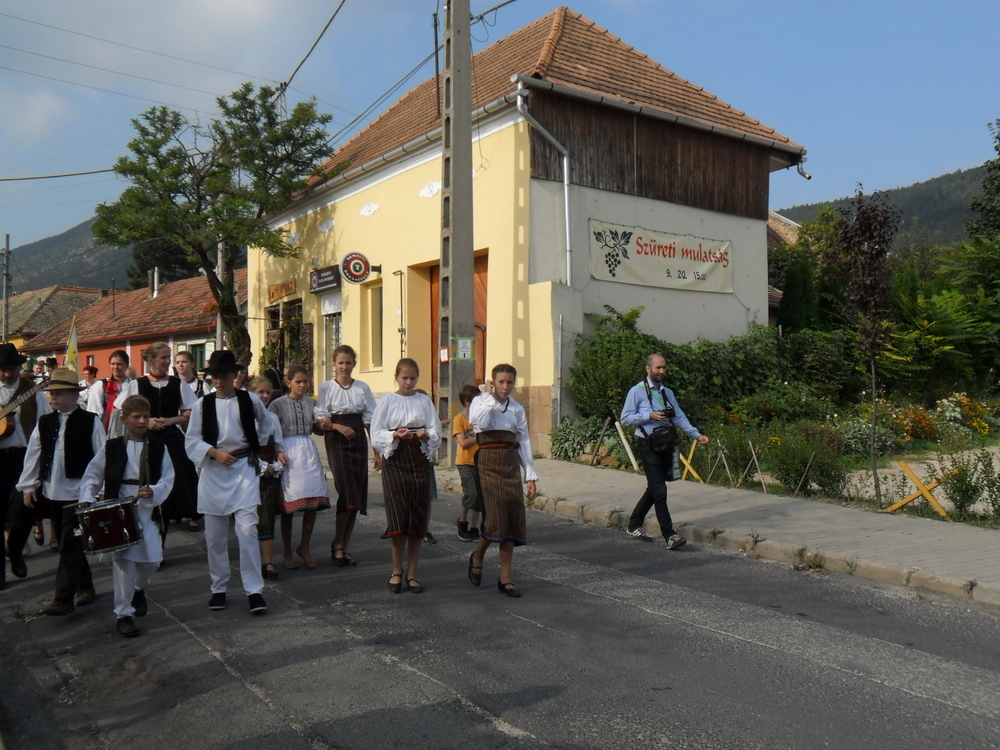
<point>40,309</point>
<point>781,229</point>
<point>774,297</point>
<point>179,306</point>
<point>562,48</point>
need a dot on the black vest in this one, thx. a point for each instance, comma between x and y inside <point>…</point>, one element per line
<point>77,447</point>
<point>116,461</point>
<point>210,421</point>
<point>27,412</point>
<point>164,402</point>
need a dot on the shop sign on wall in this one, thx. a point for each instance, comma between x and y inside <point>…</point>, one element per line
<point>277,291</point>
<point>634,255</point>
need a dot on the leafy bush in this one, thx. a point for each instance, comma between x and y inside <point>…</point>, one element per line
<point>786,457</point>
<point>609,362</point>
<point>781,402</point>
<point>572,437</point>
<point>856,436</point>
<point>975,480</point>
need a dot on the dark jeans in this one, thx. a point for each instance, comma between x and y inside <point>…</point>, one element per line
<point>657,467</point>
<point>74,573</point>
<point>11,507</point>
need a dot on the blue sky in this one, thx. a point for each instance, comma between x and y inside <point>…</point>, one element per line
<point>883,93</point>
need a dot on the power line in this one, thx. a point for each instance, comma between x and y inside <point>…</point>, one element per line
<point>97,88</point>
<point>284,85</point>
<point>53,176</point>
<point>107,70</point>
<point>137,49</point>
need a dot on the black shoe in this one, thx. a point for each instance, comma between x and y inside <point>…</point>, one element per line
<point>257,605</point>
<point>429,538</point>
<point>474,534</point>
<point>126,627</point>
<point>17,566</point>
<point>218,601</point>
<point>3,583</point>
<point>139,603</point>
<point>269,571</point>
<point>414,586</point>
<point>396,587</point>
<point>463,531</point>
<point>476,578</point>
<point>508,589</point>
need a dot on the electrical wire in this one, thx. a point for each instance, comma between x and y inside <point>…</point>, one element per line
<point>53,176</point>
<point>62,156</point>
<point>284,85</point>
<point>107,70</point>
<point>97,88</point>
<point>137,49</point>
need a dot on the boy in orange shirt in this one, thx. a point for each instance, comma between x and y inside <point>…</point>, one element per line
<point>465,460</point>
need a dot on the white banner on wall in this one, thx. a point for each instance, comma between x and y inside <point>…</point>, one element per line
<point>633,255</point>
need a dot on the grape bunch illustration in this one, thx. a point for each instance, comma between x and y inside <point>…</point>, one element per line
<point>614,244</point>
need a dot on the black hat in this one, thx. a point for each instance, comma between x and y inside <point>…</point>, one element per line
<point>51,362</point>
<point>221,362</point>
<point>10,357</point>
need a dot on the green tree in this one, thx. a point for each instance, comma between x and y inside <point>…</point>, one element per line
<point>798,308</point>
<point>210,188</point>
<point>171,259</point>
<point>986,222</point>
<point>906,286</point>
<point>858,260</point>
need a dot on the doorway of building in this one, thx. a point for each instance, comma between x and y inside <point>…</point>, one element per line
<point>480,281</point>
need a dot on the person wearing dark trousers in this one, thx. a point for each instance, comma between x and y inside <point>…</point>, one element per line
<point>23,405</point>
<point>59,450</point>
<point>649,406</point>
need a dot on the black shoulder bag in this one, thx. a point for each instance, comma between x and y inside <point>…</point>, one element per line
<point>665,437</point>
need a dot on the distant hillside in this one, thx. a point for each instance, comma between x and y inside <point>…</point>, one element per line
<point>72,257</point>
<point>934,211</point>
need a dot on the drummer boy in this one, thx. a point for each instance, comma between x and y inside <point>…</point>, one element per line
<point>51,478</point>
<point>130,466</point>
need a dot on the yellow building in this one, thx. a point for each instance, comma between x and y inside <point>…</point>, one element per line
<point>665,206</point>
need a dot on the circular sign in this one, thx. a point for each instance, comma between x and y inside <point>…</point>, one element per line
<point>355,267</point>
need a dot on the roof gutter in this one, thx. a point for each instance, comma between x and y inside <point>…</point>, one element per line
<point>522,97</point>
<point>690,122</point>
<point>406,148</point>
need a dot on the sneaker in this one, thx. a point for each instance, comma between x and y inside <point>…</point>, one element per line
<point>218,601</point>
<point>473,534</point>
<point>675,541</point>
<point>463,531</point>
<point>429,538</point>
<point>139,603</point>
<point>126,627</point>
<point>640,534</point>
<point>257,605</point>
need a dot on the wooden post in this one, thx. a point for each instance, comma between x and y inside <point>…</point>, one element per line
<point>804,473</point>
<point>600,440</point>
<point>628,448</point>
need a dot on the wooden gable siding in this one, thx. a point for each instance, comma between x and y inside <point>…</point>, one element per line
<point>624,153</point>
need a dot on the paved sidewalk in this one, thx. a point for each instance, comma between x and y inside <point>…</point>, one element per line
<point>920,554</point>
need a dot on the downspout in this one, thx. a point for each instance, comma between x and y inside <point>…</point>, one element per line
<point>522,96</point>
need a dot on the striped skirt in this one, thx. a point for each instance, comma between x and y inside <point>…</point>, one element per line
<point>406,480</point>
<point>499,469</point>
<point>348,460</point>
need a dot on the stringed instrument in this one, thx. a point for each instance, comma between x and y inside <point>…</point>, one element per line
<point>7,423</point>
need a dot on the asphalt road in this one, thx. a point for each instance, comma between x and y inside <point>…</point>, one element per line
<point>615,643</point>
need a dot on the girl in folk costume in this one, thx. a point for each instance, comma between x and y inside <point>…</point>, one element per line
<point>343,412</point>
<point>406,431</point>
<point>223,437</point>
<point>132,465</point>
<point>303,482</point>
<point>103,393</point>
<point>504,447</point>
<point>272,456</point>
<point>170,408</point>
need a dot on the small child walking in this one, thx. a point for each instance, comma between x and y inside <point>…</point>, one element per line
<point>273,457</point>
<point>465,460</point>
<point>303,482</point>
<point>132,463</point>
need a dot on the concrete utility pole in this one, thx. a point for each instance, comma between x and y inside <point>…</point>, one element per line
<point>457,313</point>
<point>6,286</point>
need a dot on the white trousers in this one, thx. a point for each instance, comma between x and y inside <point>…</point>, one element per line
<point>217,542</point>
<point>129,577</point>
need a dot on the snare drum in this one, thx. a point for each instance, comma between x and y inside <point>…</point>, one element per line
<point>110,525</point>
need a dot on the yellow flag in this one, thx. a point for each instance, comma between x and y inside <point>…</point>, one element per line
<point>70,359</point>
